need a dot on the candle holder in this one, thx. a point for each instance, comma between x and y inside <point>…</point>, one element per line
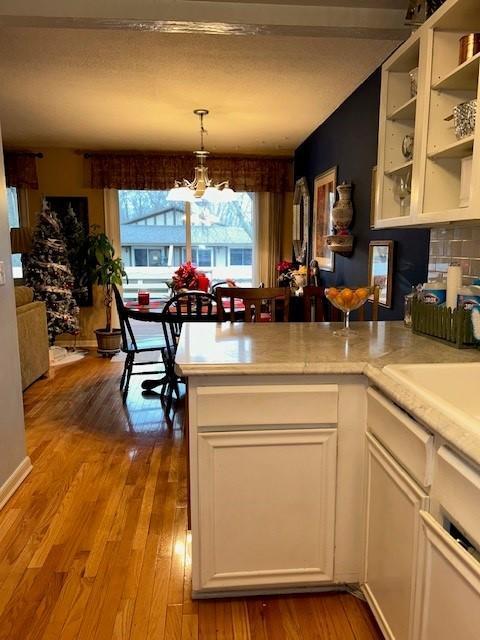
<point>143,298</point>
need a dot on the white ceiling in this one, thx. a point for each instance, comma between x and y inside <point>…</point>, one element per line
<point>101,88</point>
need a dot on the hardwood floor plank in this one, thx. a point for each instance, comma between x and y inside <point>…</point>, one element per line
<point>173,623</point>
<point>241,626</point>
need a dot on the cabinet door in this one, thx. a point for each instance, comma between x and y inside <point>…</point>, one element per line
<point>393,523</point>
<point>266,508</point>
<point>448,604</point>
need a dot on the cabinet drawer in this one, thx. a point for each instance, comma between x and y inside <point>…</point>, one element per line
<point>409,443</point>
<point>221,406</point>
<point>457,489</point>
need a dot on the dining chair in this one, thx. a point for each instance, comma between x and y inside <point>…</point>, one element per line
<point>188,306</point>
<point>260,303</point>
<point>313,307</point>
<point>221,283</point>
<point>133,346</point>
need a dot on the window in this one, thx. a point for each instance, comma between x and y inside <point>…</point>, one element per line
<point>201,257</point>
<point>14,223</point>
<point>154,239</point>
<point>240,257</point>
<point>141,257</point>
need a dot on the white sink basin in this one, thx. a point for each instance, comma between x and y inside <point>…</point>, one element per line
<point>453,389</point>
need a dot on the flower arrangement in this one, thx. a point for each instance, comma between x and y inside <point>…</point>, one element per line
<point>187,276</point>
<point>285,270</point>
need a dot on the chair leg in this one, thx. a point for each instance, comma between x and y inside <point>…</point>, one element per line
<point>124,372</point>
<point>129,367</point>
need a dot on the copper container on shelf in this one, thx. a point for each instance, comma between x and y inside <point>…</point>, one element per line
<point>469,46</point>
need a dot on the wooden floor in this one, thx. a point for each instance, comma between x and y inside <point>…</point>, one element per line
<point>94,544</point>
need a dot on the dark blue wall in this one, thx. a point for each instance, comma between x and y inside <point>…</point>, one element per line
<point>348,139</point>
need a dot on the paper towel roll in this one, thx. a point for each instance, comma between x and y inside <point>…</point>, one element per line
<point>454,282</point>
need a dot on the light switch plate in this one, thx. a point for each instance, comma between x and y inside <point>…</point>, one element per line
<point>2,272</point>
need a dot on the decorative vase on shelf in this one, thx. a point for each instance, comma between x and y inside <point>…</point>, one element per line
<point>407,147</point>
<point>342,211</point>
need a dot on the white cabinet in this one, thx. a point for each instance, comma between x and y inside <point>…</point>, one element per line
<point>448,604</point>
<point>266,508</point>
<point>394,502</point>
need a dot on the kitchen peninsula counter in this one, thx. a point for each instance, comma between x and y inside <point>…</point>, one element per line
<point>278,423</point>
<point>208,349</point>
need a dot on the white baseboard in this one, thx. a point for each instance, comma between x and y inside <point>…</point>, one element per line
<point>12,483</point>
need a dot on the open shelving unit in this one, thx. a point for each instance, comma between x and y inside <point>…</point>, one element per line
<point>443,83</point>
<point>459,149</point>
<point>398,113</point>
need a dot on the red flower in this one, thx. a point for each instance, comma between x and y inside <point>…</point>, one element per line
<point>284,266</point>
<point>185,277</point>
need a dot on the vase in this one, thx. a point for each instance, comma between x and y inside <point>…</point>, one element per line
<point>342,211</point>
<point>300,281</point>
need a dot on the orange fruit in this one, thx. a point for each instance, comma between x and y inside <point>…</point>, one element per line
<point>362,293</point>
<point>347,295</point>
<point>332,292</point>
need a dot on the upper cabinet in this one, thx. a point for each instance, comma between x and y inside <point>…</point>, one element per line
<point>429,163</point>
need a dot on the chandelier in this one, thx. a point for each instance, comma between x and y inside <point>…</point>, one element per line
<point>201,187</point>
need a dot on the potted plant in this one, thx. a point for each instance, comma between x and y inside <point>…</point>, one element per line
<point>105,270</point>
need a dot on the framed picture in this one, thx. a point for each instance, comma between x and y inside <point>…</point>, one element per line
<point>380,269</point>
<point>323,201</point>
<point>373,197</point>
<point>301,216</point>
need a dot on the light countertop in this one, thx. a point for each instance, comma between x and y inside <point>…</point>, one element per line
<point>207,349</point>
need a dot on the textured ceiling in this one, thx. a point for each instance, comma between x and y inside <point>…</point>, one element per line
<point>101,89</point>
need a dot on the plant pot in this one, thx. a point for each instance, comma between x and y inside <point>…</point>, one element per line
<point>108,342</point>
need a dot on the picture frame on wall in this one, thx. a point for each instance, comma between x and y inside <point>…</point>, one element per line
<point>323,200</point>
<point>373,197</point>
<point>301,218</point>
<point>380,269</point>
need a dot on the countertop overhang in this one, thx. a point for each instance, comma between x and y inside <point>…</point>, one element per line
<point>209,349</point>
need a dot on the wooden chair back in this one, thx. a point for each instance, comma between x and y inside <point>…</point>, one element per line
<point>260,303</point>
<point>124,316</point>
<point>313,306</point>
<point>373,306</point>
<point>187,306</point>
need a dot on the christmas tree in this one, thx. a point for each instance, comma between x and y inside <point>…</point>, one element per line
<point>75,241</point>
<point>48,273</point>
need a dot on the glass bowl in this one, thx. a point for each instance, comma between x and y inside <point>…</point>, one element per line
<point>347,299</point>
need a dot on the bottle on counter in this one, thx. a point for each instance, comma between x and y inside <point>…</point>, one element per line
<point>434,292</point>
<point>469,297</point>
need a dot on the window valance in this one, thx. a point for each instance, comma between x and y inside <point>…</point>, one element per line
<point>21,169</point>
<point>159,171</point>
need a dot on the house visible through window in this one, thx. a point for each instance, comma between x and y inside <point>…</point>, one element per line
<point>154,239</point>
<point>14,223</point>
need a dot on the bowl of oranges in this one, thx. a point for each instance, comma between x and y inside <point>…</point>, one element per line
<point>347,299</point>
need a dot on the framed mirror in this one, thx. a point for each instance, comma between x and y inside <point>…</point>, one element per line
<point>301,213</point>
<point>380,269</point>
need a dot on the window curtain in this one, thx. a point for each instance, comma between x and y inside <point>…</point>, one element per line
<point>269,230</point>
<point>159,171</point>
<point>21,169</point>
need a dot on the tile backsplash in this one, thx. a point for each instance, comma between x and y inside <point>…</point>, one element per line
<point>455,244</point>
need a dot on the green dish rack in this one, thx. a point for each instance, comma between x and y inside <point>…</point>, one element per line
<point>442,323</point>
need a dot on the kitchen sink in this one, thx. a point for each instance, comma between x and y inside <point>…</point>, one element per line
<point>453,389</point>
